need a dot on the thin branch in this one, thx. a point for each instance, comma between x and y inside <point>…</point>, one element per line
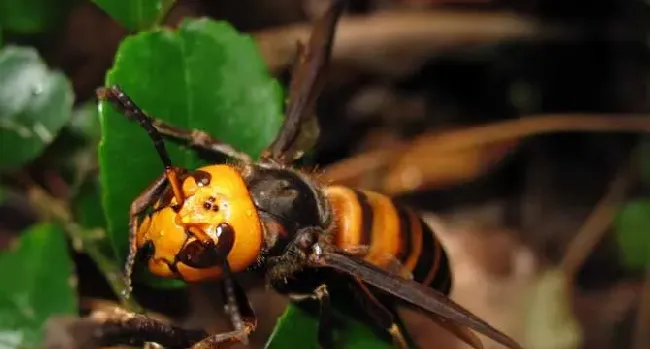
<point>425,148</point>
<point>164,12</point>
<point>86,163</point>
<point>598,223</point>
<point>399,41</point>
<point>102,309</point>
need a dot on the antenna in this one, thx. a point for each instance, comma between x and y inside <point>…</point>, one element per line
<point>122,102</point>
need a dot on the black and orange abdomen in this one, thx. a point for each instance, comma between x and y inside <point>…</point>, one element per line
<point>371,219</point>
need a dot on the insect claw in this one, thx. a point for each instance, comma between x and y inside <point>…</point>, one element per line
<point>102,93</point>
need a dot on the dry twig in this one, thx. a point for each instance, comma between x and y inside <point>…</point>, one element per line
<point>597,224</point>
<point>398,42</point>
<point>430,153</point>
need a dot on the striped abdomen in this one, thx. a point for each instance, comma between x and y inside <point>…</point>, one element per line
<point>366,218</point>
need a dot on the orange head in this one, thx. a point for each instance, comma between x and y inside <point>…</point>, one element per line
<point>209,219</point>
<point>216,219</point>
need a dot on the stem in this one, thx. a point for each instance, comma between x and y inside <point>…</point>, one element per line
<point>84,240</point>
<point>597,223</point>
<point>166,6</point>
<point>86,163</point>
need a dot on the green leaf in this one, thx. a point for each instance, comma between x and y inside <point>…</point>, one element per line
<point>35,103</point>
<point>85,122</point>
<point>298,328</point>
<point>205,76</point>
<point>73,154</point>
<point>632,227</point>
<point>136,15</point>
<point>33,16</point>
<point>38,283</point>
<point>87,206</point>
<point>294,326</point>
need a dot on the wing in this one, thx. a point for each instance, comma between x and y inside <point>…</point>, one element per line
<point>393,266</point>
<point>387,262</point>
<point>412,292</point>
<point>300,128</point>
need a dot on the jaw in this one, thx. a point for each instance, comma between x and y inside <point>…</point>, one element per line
<point>180,271</point>
<point>161,268</point>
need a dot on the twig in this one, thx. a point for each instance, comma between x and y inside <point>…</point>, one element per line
<point>598,222</point>
<point>86,163</point>
<point>164,12</point>
<point>414,153</point>
<point>54,209</point>
<point>396,42</point>
<point>102,308</point>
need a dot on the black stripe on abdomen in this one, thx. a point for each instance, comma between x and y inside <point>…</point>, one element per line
<point>404,234</point>
<point>432,256</point>
<point>367,216</point>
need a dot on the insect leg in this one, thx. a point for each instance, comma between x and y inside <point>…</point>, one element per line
<point>238,307</point>
<point>241,314</point>
<point>325,319</point>
<point>147,198</point>
<point>382,315</point>
<point>200,140</point>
